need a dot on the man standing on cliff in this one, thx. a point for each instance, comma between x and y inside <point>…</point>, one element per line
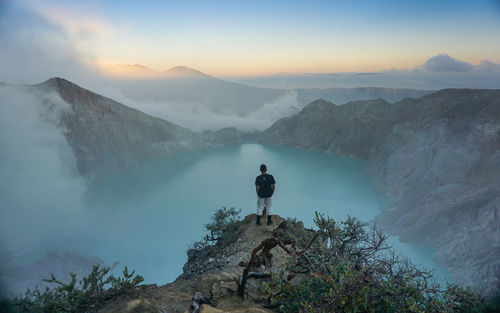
<point>264,185</point>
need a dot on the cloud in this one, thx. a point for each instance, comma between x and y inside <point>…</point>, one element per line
<point>445,63</point>
<point>78,25</point>
<point>40,190</point>
<point>441,71</point>
<point>198,117</point>
<point>488,66</point>
<point>34,49</point>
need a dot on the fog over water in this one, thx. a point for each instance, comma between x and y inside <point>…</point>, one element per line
<point>198,117</point>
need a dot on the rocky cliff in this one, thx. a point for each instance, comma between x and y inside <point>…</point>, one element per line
<point>106,135</point>
<point>211,271</point>
<point>437,157</point>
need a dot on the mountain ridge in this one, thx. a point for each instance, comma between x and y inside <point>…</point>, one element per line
<point>106,135</point>
<point>437,157</point>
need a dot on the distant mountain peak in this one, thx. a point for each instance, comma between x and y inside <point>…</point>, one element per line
<point>56,79</point>
<point>142,71</point>
<point>184,71</point>
<point>130,71</point>
<point>319,103</point>
<point>58,82</point>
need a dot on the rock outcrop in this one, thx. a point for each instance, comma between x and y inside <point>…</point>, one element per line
<point>212,272</point>
<point>437,157</point>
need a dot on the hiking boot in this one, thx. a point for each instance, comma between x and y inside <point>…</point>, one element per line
<point>269,220</point>
<point>258,220</point>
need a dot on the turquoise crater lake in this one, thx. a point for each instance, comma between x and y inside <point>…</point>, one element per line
<point>147,216</point>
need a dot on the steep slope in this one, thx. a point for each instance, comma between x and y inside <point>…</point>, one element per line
<point>352,129</point>
<point>437,157</point>
<point>107,135</point>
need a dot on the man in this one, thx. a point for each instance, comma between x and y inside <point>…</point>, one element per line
<point>264,185</point>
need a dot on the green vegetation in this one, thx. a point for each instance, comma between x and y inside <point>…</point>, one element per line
<point>221,232</point>
<point>93,291</point>
<point>296,232</point>
<point>222,229</point>
<point>348,267</point>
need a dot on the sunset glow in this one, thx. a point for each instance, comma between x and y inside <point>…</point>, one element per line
<point>224,38</point>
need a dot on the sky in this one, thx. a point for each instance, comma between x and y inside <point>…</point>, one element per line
<point>252,38</point>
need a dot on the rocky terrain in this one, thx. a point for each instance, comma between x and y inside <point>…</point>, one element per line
<point>212,272</point>
<point>437,157</point>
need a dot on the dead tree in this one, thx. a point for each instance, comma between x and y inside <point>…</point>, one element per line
<point>266,246</point>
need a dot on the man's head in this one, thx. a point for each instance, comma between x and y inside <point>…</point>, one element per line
<point>263,168</point>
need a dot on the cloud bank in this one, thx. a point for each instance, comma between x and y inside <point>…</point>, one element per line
<point>445,63</point>
<point>35,49</point>
<point>198,117</point>
<point>40,190</point>
<point>438,72</point>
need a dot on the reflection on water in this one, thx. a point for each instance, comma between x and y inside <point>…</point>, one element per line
<point>147,216</point>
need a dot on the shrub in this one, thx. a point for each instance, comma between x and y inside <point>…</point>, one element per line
<point>294,229</point>
<point>222,230</point>
<point>92,292</point>
<point>350,268</point>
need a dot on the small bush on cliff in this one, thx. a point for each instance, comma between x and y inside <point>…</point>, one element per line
<point>349,268</point>
<point>92,292</point>
<point>222,229</point>
<point>293,229</point>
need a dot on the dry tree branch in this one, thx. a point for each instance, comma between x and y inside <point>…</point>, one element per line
<point>266,245</point>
